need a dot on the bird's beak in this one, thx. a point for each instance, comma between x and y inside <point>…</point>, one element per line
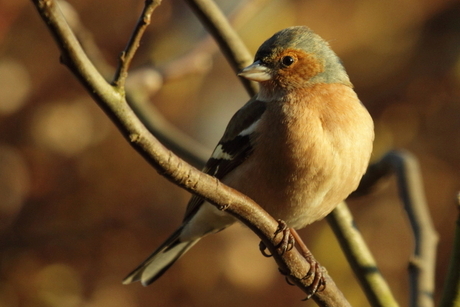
<point>256,72</point>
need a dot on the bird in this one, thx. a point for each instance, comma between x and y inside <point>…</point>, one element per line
<point>297,148</point>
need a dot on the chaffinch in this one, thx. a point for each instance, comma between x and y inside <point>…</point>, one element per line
<point>297,148</point>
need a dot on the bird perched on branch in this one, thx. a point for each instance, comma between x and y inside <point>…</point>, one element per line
<point>297,148</point>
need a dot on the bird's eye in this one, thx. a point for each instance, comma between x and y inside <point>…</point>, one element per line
<point>287,60</point>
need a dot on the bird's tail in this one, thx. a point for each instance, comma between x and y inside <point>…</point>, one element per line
<point>161,259</point>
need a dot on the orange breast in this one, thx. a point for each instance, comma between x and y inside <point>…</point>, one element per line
<point>311,154</point>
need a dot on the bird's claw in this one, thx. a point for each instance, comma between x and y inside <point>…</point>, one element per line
<point>263,248</point>
<point>287,241</point>
<point>318,283</point>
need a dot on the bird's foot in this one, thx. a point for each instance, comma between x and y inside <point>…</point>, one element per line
<point>315,272</point>
<point>318,283</point>
<point>287,241</point>
<point>263,248</point>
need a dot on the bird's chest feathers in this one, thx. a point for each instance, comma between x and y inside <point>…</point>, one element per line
<point>316,144</point>
<point>309,153</point>
<point>302,139</point>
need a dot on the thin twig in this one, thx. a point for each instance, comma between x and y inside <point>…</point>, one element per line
<point>423,262</point>
<point>133,43</point>
<point>169,165</point>
<point>230,44</point>
<point>451,293</point>
<point>360,258</point>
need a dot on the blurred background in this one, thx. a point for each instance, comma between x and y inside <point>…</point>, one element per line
<point>79,208</point>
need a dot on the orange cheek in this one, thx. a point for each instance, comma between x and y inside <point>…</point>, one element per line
<point>306,68</point>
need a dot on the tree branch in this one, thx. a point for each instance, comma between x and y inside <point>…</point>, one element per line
<point>169,165</point>
<point>360,258</point>
<point>423,262</point>
<point>137,95</point>
<point>144,82</point>
<point>133,43</point>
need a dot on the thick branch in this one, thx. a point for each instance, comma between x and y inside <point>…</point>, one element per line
<point>169,165</point>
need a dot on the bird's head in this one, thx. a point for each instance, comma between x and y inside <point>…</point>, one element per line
<point>295,58</point>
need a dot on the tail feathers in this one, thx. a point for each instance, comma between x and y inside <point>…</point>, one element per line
<point>160,261</point>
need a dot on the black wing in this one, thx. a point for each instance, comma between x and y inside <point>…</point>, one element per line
<point>234,147</point>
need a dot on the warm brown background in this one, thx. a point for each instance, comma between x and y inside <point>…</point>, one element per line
<point>79,208</point>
